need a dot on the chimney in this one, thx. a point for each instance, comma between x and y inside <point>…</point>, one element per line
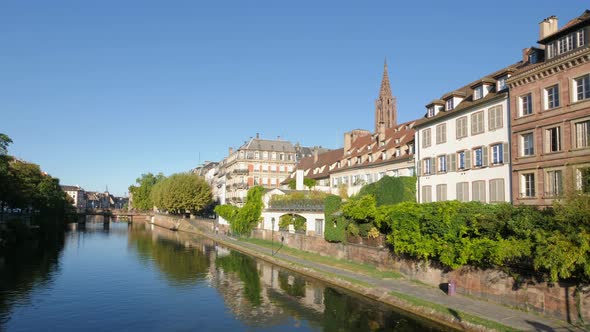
<point>315,154</point>
<point>525,54</point>
<point>257,135</point>
<point>230,151</point>
<point>547,27</point>
<point>347,141</point>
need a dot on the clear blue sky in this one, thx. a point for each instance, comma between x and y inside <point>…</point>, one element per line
<point>98,92</point>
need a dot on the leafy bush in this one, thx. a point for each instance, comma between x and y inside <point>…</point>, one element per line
<point>334,226</point>
<point>391,190</point>
<point>242,220</point>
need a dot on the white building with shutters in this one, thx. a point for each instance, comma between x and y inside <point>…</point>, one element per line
<point>462,144</point>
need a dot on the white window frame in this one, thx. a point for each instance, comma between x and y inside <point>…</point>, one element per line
<point>450,104</point>
<point>581,141</point>
<point>475,157</point>
<point>497,154</point>
<point>549,142</point>
<point>551,96</point>
<point>461,159</point>
<point>528,189</point>
<point>581,90</point>
<point>442,164</point>
<point>478,92</point>
<point>526,99</point>
<point>523,141</point>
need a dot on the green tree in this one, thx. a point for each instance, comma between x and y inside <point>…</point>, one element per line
<point>181,193</point>
<point>5,141</point>
<point>309,183</point>
<point>141,193</point>
<point>243,220</point>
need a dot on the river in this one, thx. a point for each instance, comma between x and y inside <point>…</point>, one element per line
<point>119,277</point>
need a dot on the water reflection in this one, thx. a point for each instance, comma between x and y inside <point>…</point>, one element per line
<point>260,294</point>
<point>27,266</point>
<point>147,278</point>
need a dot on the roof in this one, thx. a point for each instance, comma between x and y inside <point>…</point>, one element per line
<point>257,144</point>
<point>70,188</point>
<point>467,90</point>
<point>398,136</point>
<point>571,25</point>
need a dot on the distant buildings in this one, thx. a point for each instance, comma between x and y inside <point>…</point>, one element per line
<point>77,195</point>
<point>83,200</point>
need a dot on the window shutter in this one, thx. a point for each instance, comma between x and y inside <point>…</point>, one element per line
<point>453,162</point>
<point>500,190</point>
<point>484,157</point>
<point>482,191</point>
<point>434,163</point>
<point>506,153</point>
<point>444,133</point>
<point>492,190</point>
<point>491,118</point>
<point>419,168</point>
<point>458,128</point>
<point>473,124</point>
<point>499,117</point>
<point>459,192</point>
<point>467,159</point>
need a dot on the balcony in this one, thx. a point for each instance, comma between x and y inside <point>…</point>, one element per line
<point>240,171</point>
<point>297,205</point>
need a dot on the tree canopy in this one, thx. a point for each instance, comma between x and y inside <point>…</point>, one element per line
<point>181,193</point>
<point>242,220</point>
<point>141,193</point>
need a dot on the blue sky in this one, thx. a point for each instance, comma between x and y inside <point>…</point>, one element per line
<point>99,92</point>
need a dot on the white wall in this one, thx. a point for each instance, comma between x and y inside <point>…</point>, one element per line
<point>453,145</point>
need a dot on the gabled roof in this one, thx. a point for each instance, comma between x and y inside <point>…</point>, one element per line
<point>70,188</point>
<point>467,90</point>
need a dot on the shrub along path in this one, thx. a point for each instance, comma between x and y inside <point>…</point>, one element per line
<point>462,308</point>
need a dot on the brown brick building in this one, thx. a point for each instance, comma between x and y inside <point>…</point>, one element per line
<point>550,114</point>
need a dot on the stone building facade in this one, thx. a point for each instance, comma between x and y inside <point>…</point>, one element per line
<point>550,114</point>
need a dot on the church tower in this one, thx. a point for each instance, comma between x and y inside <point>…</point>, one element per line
<point>385,105</point>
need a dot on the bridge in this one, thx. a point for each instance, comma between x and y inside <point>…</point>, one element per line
<point>109,213</point>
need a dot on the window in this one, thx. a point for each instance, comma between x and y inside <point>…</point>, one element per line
<point>582,132</point>
<point>463,191</point>
<point>495,117</point>
<point>384,155</point>
<point>461,127</point>
<point>526,105</point>
<point>358,160</point>
<point>450,104</point>
<point>497,154</point>
<point>442,164</point>
<point>370,158</point>
<point>426,194</point>
<point>580,37</point>
<point>497,190</point>
<point>502,83</point>
<point>552,97</point>
<point>478,92</point>
<point>565,43</point>
<point>582,87</point>
<point>430,111</point>
<point>528,144</point>
<point>426,138</point>
<point>583,179</point>
<point>553,139</point>
<point>554,183</point>
<point>427,166</point>
<point>478,157</point>
<point>477,123</point>
<point>348,162</point>
<point>461,160</point>
<point>441,192</point>
<point>441,133</point>
<point>281,156</point>
<point>551,50</point>
<point>264,155</point>
<point>478,192</point>
<point>528,185</point>
<point>319,226</point>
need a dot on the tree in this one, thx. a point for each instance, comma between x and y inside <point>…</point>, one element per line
<point>142,198</point>
<point>181,193</point>
<point>309,183</point>
<point>242,220</point>
<point>5,141</point>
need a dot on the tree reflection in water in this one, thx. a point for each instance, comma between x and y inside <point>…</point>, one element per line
<point>246,269</point>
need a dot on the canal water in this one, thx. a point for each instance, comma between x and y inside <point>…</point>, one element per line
<point>119,277</point>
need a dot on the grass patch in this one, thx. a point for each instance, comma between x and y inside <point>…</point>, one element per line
<point>366,269</point>
<point>458,314</point>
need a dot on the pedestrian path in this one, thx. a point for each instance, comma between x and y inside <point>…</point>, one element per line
<point>456,304</point>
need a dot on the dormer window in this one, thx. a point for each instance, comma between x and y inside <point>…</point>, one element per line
<point>580,37</point>
<point>430,111</point>
<point>397,141</point>
<point>338,164</point>
<point>384,155</point>
<point>370,158</point>
<point>348,162</point>
<point>382,143</point>
<point>358,160</point>
<point>478,92</point>
<point>450,104</point>
<point>502,83</point>
<point>398,152</point>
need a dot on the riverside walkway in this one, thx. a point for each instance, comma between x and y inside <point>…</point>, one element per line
<point>381,288</point>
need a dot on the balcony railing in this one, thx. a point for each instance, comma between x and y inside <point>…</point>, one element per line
<point>240,171</point>
<point>297,205</point>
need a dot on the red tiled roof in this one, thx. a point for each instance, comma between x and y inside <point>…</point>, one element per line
<point>572,23</point>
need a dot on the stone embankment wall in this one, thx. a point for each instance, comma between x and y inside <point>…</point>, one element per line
<point>558,300</point>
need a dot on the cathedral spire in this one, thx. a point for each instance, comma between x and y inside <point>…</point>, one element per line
<point>385,87</point>
<point>385,105</point>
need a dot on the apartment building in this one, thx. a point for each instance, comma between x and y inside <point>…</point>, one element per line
<point>463,143</point>
<point>550,114</point>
